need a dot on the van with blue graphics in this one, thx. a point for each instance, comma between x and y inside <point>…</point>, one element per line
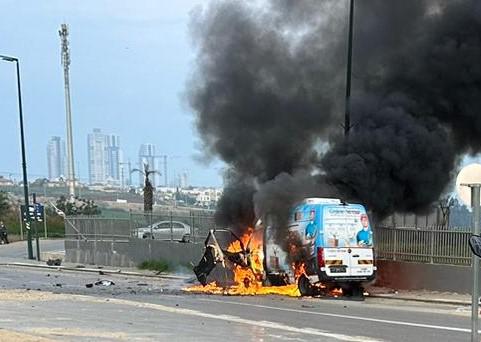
<point>339,243</point>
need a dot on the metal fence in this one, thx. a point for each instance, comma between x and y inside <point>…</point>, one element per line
<point>196,224</point>
<point>96,228</point>
<point>425,246</point>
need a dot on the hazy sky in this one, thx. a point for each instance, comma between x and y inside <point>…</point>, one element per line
<point>130,64</point>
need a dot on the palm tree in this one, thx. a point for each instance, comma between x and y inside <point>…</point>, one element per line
<point>148,188</point>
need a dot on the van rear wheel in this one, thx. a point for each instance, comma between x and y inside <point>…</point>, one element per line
<point>354,291</point>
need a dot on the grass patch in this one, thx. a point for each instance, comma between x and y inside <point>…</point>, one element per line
<point>154,265</point>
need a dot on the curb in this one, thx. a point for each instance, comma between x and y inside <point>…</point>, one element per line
<point>423,300</point>
<point>96,270</point>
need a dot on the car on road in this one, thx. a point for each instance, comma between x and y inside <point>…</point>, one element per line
<point>166,230</point>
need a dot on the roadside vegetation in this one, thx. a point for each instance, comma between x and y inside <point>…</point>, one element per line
<point>11,216</point>
<point>155,265</point>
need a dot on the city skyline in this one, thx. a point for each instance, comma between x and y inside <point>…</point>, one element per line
<point>108,165</point>
<point>141,102</point>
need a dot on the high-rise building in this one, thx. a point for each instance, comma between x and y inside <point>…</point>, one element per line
<point>183,180</point>
<point>56,158</point>
<point>97,153</point>
<point>147,156</point>
<point>104,158</point>
<point>113,159</point>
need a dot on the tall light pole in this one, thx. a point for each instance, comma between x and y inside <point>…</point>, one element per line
<point>24,159</point>
<point>347,116</point>
<point>66,65</point>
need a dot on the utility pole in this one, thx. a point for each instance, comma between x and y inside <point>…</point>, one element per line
<point>347,117</point>
<point>24,158</point>
<point>65,54</point>
<point>475,199</point>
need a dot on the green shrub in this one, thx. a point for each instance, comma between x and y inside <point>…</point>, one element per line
<point>154,265</point>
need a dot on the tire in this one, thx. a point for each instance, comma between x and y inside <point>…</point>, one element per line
<point>353,291</point>
<point>305,286</point>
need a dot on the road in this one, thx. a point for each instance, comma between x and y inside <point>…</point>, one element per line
<point>40,305</point>
<point>19,249</point>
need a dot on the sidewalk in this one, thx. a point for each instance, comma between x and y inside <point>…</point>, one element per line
<point>420,296</point>
<point>132,271</point>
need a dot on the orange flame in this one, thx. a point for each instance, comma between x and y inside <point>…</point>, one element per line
<point>249,281</point>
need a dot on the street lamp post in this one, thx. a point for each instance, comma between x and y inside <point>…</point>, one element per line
<point>24,159</point>
<point>347,116</point>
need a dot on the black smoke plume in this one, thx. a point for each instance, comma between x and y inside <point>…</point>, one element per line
<point>268,97</point>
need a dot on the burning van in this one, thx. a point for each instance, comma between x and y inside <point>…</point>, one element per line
<point>327,246</point>
<point>336,239</point>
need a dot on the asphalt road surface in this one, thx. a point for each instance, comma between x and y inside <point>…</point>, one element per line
<point>19,249</point>
<point>43,305</point>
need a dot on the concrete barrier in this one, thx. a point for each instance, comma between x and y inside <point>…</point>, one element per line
<point>132,252</point>
<point>393,274</point>
<point>417,276</point>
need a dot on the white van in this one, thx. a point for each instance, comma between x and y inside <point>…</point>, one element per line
<point>338,239</point>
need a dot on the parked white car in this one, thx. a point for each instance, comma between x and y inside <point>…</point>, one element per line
<point>166,230</point>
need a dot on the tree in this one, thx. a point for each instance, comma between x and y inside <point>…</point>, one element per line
<point>4,204</point>
<point>79,206</point>
<point>445,204</point>
<point>148,188</point>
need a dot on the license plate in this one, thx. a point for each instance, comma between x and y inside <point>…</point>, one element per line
<point>337,269</point>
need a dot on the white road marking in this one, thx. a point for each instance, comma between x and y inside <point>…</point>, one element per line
<point>229,318</point>
<point>377,320</point>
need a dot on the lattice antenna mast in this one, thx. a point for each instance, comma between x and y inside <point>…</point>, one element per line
<point>65,55</point>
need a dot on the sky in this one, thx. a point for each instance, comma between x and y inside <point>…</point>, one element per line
<point>130,62</point>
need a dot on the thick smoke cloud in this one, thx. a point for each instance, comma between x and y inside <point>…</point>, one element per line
<point>269,85</point>
<point>262,97</point>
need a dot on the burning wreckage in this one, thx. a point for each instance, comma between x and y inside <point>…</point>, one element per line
<point>328,251</point>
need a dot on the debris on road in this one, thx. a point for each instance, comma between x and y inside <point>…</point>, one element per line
<point>104,283</point>
<point>89,285</point>
<point>54,262</point>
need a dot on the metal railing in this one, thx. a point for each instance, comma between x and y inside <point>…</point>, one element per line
<point>429,245</point>
<point>97,228</point>
<point>425,246</point>
<point>195,226</point>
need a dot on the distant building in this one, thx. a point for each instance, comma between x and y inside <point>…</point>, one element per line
<point>104,158</point>
<point>208,197</point>
<point>183,180</point>
<point>56,158</point>
<point>113,159</point>
<point>97,143</point>
<point>6,182</point>
<point>147,156</point>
